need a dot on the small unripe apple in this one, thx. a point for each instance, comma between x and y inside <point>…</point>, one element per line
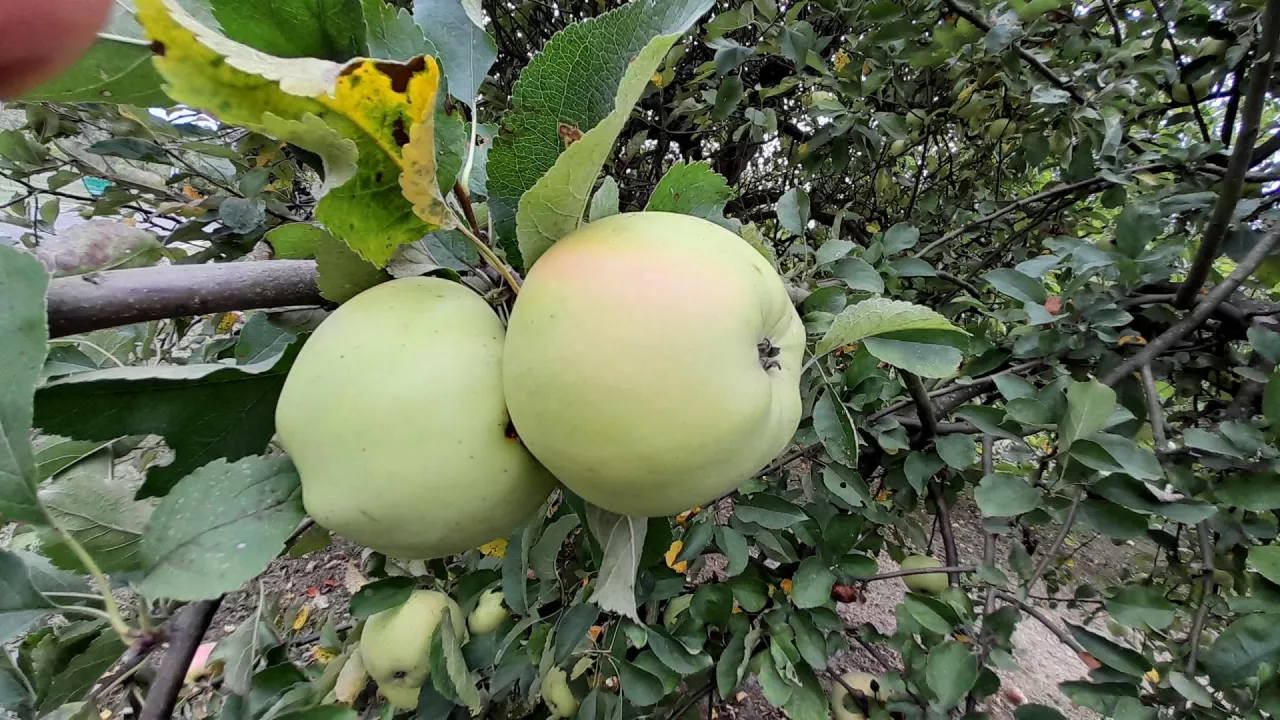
<point>395,644</point>
<point>916,118</point>
<point>930,583</point>
<point>557,695</point>
<point>393,414</point>
<point>897,147</point>
<point>1185,93</point>
<point>489,613</point>
<point>653,362</point>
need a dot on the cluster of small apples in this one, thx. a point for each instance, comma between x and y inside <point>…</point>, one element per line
<point>651,363</point>
<point>395,646</point>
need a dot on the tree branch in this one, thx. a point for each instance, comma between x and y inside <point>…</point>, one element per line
<point>1054,546</point>
<point>1035,63</point>
<point>1155,412</point>
<point>83,303</point>
<point>1202,612</point>
<point>924,408</point>
<point>1202,311</point>
<point>949,569</point>
<point>1049,625</point>
<point>1233,182</point>
<point>183,642</point>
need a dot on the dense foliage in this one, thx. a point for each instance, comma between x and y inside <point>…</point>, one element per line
<point>1031,243</point>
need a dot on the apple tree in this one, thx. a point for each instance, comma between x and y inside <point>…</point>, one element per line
<point>1032,244</point>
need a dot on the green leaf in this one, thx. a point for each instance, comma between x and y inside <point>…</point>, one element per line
<point>925,611</point>
<point>262,340</point>
<point>375,136</point>
<point>1253,491</point>
<point>219,527</point>
<point>834,427</point>
<point>573,628</point>
<point>466,51</point>
<point>23,334</point>
<point>1191,689</point>
<point>1265,342</point>
<point>858,274</point>
<point>83,671</point>
<point>542,558</point>
<point>328,29</point>
<point>1138,605</point>
<point>55,454</point>
<point>1210,442</point>
<point>204,412</point>
<point>1089,407</point>
<point>1017,285</point>
<point>769,511</point>
<point>1112,520</point>
<point>793,211</point>
<point>898,238</point>
<point>811,586</point>
<point>877,316</point>
<point>456,681</point>
<point>343,274</point>
<point>115,69</point>
<point>515,571</point>
<point>573,82</point>
<point>1005,495</point>
<point>21,604</point>
<point>689,189</point>
<point>553,207</point>
<point>1236,655</point>
<point>925,360</point>
<point>675,655</point>
<point>732,665</point>
<point>847,485</point>
<point>381,595</point>
<point>1271,398</point>
<point>957,451</point>
<point>728,96</point>
<point>776,690</point>
<point>951,671</point>
<point>622,538</point>
<point>296,241</point>
<point>1133,461</point>
<point>1136,227</point>
<point>920,467</point>
<point>807,701</point>
<point>638,685</point>
<point>735,548</point>
<point>832,250</point>
<point>1101,697</point>
<point>605,202</point>
<point>1266,560</point>
<point>1114,656</point>
<point>392,33</point>
<point>99,511</point>
<point>1037,712</point>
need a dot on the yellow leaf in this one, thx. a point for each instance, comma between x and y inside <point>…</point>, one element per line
<point>191,192</point>
<point>323,655</point>
<point>786,586</point>
<point>497,548</point>
<point>656,79</point>
<point>594,632</point>
<point>671,555</point>
<point>961,637</point>
<point>866,68</point>
<point>683,518</point>
<point>1132,339</point>
<point>840,61</point>
<point>418,180</point>
<point>1153,675</point>
<point>873,227</point>
<point>300,621</point>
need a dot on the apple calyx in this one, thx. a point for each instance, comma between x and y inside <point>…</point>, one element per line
<point>769,355</point>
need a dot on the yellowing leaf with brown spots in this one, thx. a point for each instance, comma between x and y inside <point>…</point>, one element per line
<point>360,117</point>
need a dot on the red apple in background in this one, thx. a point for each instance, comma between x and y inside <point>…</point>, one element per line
<point>41,38</point>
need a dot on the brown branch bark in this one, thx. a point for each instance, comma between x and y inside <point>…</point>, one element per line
<point>1233,182</point>
<point>193,621</point>
<point>84,303</point>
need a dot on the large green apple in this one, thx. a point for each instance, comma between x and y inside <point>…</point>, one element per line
<point>653,362</point>
<point>393,414</point>
<point>396,644</point>
<point>931,583</point>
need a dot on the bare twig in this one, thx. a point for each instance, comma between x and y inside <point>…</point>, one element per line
<point>1058,539</point>
<point>121,297</point>
<point>1116,36</point>
<point>944,527</point>
<point>988,538</point>
<point>1202,311</point>
<point>924,408</point>
<point>1155,412</point>
<point>192,621</point>
<point>1202,612</point>
<point>1233,182</point>
<point>949,569</point>
<point>1038,614</point>
<point>965,284</point>
<point>464,199</point>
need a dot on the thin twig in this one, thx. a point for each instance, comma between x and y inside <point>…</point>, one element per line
<point>944,527</point>
<point>949,569</point>
<point>1116,36</point>
<point>1155,412</point>
<point>924,408</point>
<point>492,258</point>
<point>968,287</point>
<point>464,199</point>
<point>1177,63</point>
<point>1202,311</point>
<point>1202,613</point>
<point>1036,613</point>
<point>192,621</point>
<point>1058,539</point>
<point>1233,182</point>
<point>988,538</point>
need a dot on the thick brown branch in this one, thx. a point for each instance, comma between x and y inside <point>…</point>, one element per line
<point>1233,182</point>
<point>191,622</point>
<point>120,297</point>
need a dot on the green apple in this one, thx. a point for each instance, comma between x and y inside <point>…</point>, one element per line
<point>653,362</point>
<point>844,706</point>
<point>489,613</point>
<point>395,644</point>
<point>1001,128</point>
<point>1184,93</point>
<point>916,118</point>
<point>557,695</point>
<point>897,147</point>
<point>394,417</point>
<point>931,583</point>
